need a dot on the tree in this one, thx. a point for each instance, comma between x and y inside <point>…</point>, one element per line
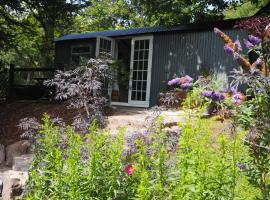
<point>51,14</point>
<point>172,12</point>
<point>117,14</point>
<point>104,15</point>
<point>41,20</point>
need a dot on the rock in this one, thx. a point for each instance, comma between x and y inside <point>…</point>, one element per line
<point>173,130</point>
<point>2,154</point>
<point>1,187</point>
<point>16,187</point>
<point>22,163</point>
<point>16,149</point>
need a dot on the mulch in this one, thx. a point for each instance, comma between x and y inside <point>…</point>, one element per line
<point>11,113</point>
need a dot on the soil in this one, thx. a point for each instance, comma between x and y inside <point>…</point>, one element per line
<point>12,113</point>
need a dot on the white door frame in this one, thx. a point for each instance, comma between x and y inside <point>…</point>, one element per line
<point>149,72</point>
<point>98,45</point>
<point>112,54</point>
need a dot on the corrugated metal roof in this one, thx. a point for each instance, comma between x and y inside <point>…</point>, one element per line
<point>114,33</point>
<point>137,31</point>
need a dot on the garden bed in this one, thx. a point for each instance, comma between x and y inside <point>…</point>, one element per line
<point>11,113</point>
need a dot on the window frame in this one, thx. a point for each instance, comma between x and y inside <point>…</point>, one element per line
<point>78,54</point>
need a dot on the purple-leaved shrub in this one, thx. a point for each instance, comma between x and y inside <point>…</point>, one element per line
<point>84,90</point>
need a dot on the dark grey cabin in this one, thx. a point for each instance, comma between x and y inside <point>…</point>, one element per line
<point>151,56</point>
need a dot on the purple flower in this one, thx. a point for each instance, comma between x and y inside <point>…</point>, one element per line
<point>207,94</point>
<point>261,91</point>
<point>259,61</point>
<point>186,86</point>
<point>237,98</point>
<point>254,40</point>
<point>174,81</point>
<point>233,90</point>
<point>241,166</point>
<point>248,44</point>
<point>217,96</point>
<point>238,45</point>
<point>228,50</point>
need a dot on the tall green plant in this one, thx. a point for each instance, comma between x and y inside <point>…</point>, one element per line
<point>69,166</point>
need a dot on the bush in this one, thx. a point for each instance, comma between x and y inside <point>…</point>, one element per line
<point>204,165</point>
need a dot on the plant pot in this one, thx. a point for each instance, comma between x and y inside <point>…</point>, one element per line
<point>115,95</point>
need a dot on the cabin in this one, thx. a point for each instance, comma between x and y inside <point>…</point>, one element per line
<point>151,56</point>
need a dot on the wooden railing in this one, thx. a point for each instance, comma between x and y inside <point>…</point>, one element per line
<point>27,83</point>
<point>3,84</point>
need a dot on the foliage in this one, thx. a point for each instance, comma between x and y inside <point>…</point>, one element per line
<point>193,99</point>
<point>3,84</point>
<point>245,9</point>
<point>203,166</point>
<point>208,167</point>
<point>212,93</point>
<point>174,12</point>
<point>178,87</point>
<point>40,21</point>
<point>254,26</point>
<point>104,15</point>
<point>170,99</point>
<point>253,115</point>
<point>29,27</point>
<point>83,88</point>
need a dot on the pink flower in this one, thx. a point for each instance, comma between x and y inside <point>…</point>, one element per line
<point>129,169</point>
<point>185,79</point>
<point>174,81</point>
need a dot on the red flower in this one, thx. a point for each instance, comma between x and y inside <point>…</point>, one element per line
<point>129,169</point>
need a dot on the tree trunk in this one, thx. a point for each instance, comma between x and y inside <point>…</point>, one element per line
<point>47,48</point>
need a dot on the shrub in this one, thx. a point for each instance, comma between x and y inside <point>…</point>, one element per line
<point>254,115</point>
<point>178,88</point>
<point>204,165</point>
<point>84,88</point>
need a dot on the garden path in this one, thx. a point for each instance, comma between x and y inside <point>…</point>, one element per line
<point>138,119</point>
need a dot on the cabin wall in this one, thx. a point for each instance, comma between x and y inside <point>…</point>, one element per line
<point>189,53</point>
<point>63,50</point>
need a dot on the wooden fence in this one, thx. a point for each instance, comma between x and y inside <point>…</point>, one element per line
<point>27,83</point>
<point>3,84</point>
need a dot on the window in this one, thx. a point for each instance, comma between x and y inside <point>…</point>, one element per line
<point>80,54</point>
<point>105,46</point>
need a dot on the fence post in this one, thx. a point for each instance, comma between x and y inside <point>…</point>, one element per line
<point>11,82</point>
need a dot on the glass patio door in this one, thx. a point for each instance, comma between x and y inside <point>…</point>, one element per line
<point>105,45</point>
<point>140,73</point>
